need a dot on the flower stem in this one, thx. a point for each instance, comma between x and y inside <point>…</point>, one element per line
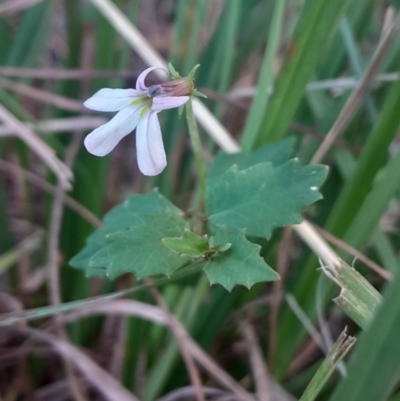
<point>196,144</point>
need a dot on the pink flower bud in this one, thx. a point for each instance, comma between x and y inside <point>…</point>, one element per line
<point>174,88</point>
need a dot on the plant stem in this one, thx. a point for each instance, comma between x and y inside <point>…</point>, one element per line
<point>196,144</point>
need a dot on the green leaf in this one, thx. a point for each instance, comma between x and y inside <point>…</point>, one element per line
<point>241,264</point>
<point>140,249</point>
<point>221,247</point>
<point>277,153</point>
<point>120,218</point>
<point>189,244</point>
<point>263,197</point>
<point>81,259</point>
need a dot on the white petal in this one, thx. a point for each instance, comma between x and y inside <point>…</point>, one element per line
<point>107,99</point>
<point>140,84</point>
<point>168,102</point>
<point>149,145</point>
<point>104,139</point>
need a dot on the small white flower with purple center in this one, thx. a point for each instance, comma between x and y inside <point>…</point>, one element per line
<point>137,108</point>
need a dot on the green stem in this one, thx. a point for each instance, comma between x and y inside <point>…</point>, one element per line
<point>196,144</point>
<point>46,311</point>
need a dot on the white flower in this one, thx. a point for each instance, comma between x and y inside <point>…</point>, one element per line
<point>137,108</point>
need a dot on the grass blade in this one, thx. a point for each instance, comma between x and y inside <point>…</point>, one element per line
<point>375,368</point>
<point>266,78</point>
<point>341,347</point>
<point>317,23</point>
<point>375,153</point>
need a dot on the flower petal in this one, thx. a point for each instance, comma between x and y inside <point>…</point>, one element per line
<point>104,139</point>
<point>168,102</point>
<point>107,99</point>
<point>149,145</point>
<point>140,84</point>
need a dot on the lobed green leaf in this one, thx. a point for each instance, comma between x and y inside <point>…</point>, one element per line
<point>277,153</point>
<point>263,197</point>
<point>140,249</point>
<point>241,264</point>
<point>120,218</point>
